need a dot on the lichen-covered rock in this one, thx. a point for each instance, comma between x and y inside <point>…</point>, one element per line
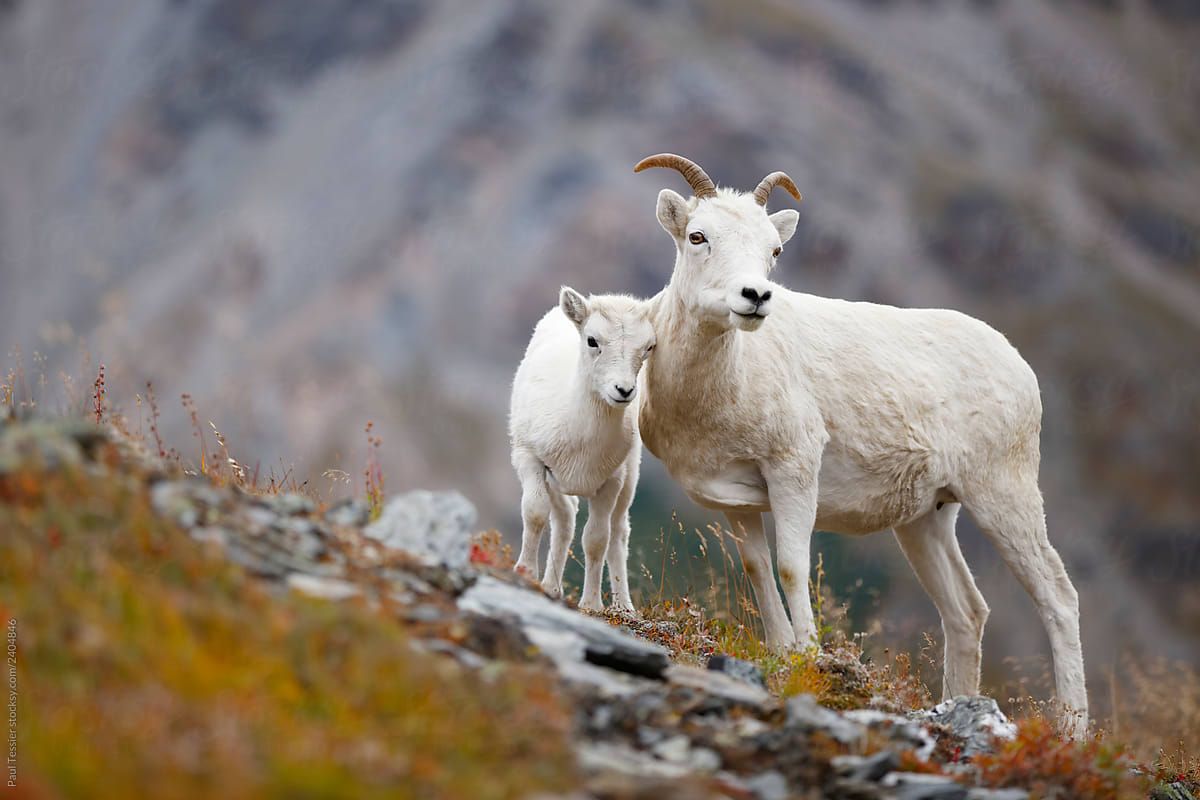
<point>566,634</point>
<point>805,713</point>
<point>737,668</point>
<point>716,684</point>
<point>769,785</point>
<point>903,732</point>
<point>349,513</point>
<point>975,721</point>
<point>433,526</point>
<point>290,503</point>
<point>1172,791</point>
<point>48,444</point>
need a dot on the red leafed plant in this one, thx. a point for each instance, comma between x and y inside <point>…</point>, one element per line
<point>1046,765</point>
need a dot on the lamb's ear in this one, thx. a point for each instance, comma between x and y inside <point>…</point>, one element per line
<point>573,304</point>
<point>785,222</point>
<point>672,212</point>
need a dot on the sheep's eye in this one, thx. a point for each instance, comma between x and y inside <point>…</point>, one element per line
<point>592,342</point>
<point>648,349</point>
<point>696,237</point>
<point>776,252</point>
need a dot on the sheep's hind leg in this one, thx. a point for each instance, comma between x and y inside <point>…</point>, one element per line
<point>563,509</point>
<point>596,536</point>
<point>752,546</point>
<point>1013,519</point>
<point>931,547</point>
<point>618,541</point>
<point>535,511</point>
<point>793,494</point>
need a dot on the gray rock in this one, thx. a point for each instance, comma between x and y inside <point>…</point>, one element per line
<point>805,713</point>
<point>423,613</point>
<point>210,535</point>
<point>998,794</point>
<point>719,685</point>
<point>609,756</point>
<point>678,749</point>
<point>50,444</point>
<point>675,749</point>
<point>326,588</point>
<point>1172,791</point>
<point>770,785</point>
<point>739,669</point>
<point>291,503</point>
<point>434,526</point>
<point>444,648</point>
<point>976,721</point>
<point>260,518</point>
<point>567,636</point>
<point>349,513</point>
<point>187,502</point>
<point>866,768</point>
<point>916,786</point>
<point>303,538</point>
<point>705,760</point>
<point>909,734</point>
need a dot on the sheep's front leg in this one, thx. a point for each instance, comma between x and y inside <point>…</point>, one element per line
<point>596,535</point>
<point>793,493</point>
<point>563,509</point>
<point>618,542</point>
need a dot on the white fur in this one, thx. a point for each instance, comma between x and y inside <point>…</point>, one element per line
<point>573,429</point>
<point>853,418</point>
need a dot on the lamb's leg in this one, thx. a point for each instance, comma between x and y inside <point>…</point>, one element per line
<point>931,547</point>
<point>793,493</point>
<point>618,542</point>
<point>1013,518</point>
<point>756,561</point>
<point>535,510</point>
<point>596,535</point>
<point>563,509</point>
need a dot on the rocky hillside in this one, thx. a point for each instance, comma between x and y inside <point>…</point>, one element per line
<point>178,636</point>
<point>313,217</point>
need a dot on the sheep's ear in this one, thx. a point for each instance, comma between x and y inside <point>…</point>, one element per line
<point>573,304</point>
<point>785,222</point>
<point>672,212</point>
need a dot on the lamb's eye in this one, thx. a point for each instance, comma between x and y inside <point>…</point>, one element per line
<point>775,253</point>
<point>648,349</point>
<point>592,342</point>
<point>696,237</point>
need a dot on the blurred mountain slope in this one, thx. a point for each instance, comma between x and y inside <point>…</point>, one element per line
<point>313,215</point>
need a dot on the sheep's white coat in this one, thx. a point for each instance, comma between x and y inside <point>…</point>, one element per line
<point>574,434</point>
<point>852,418</point>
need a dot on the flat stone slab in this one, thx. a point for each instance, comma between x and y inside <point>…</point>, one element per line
<point>568,635</point>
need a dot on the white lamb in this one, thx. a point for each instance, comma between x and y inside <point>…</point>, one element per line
<point>846,417</point>
<point>574,433</point>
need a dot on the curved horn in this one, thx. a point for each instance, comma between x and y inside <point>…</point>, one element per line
<point>697,178</point>
<point>770,182</point>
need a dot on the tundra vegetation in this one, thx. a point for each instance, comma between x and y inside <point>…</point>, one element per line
<point>148,666</point>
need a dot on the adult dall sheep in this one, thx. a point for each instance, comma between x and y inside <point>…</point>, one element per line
<point>846,417</point>
<point>573,429</point>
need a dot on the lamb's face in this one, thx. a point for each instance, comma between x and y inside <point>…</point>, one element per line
<point>727,245</point>
<point>615,338</point>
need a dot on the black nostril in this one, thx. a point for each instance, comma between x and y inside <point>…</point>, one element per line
<point>765,296</point>
<point>751,295</point>
<point>621,390</point>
